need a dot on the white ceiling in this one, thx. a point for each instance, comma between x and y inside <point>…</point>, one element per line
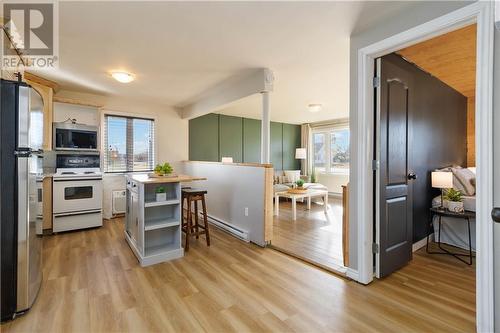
<point>179,49</point>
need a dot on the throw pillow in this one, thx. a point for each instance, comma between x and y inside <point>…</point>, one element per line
<point>464,180</point>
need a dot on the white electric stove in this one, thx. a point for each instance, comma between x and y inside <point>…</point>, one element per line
<point>77,192</point>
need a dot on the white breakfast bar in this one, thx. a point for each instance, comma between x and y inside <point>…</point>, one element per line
<point>153,228</point>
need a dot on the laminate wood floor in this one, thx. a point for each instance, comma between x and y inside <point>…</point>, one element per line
<point>315,236</point>
<point>93,283</point>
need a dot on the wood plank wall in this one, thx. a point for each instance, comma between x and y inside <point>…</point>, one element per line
<point>471,131</point>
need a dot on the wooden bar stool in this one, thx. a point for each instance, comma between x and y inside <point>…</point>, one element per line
<point>190,224</point>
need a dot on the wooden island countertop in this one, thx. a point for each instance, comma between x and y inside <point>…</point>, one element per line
<point>145,179</point>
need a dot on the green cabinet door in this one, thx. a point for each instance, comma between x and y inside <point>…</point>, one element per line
<point>291,141</point>
<point>277,146</point>
<point>251,140</point>
<point>231,138</point>
<point>204,138</point>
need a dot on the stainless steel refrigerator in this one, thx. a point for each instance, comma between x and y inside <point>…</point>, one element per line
<point>21,196</point>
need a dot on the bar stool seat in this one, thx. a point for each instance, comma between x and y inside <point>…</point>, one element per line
<point>190,215</point>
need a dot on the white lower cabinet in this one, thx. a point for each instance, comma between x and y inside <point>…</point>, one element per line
<point>153,228</point>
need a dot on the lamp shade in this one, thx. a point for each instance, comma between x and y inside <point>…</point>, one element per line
<point>227,160</point>
<point>442,179</point>
<point>300,153</point>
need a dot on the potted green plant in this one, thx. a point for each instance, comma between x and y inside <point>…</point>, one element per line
<point>163,169</point>
<point>161,193</point>
<point>454,199</point>
<point>313,176</point>
<point>300,184</point>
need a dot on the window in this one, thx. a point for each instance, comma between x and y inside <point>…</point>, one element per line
<point>129,144</point>
<point>331,150</point>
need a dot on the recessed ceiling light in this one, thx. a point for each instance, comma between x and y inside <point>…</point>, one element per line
<point>314,107</point>
<point>122,77</point>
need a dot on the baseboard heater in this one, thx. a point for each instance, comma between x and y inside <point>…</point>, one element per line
<point>228,227</point>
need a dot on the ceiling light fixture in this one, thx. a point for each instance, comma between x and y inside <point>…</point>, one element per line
<point>122,77</point>
<point>314,107</point>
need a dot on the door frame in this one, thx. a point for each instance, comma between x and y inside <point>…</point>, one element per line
<point>362,196</point>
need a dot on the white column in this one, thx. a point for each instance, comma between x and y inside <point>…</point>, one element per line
<point>265,142</point>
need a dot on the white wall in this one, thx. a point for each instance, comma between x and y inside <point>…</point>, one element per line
<point>420,12</point>
<point>232,188</point>
<point>171,135</point>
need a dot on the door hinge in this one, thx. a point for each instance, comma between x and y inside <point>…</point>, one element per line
<point>376,82</point>
<point>375,248</point>
<point>375,165</point>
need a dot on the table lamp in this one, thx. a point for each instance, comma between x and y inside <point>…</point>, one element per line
<point>442,180</point>
<point>300,154</point>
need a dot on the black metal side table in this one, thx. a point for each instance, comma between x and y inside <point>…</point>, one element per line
<point>466,215</point>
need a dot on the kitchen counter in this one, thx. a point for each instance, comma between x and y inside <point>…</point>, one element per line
<point>145,179</point>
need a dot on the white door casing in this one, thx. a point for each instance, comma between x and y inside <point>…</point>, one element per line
<point>362,194</point>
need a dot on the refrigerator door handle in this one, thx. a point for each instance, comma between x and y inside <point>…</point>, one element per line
<point>22,232</point>
<point>23,118</point>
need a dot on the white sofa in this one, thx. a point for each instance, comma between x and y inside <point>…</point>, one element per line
<point>284,180</point>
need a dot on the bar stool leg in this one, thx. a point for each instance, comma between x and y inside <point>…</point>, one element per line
<point>205,220</point>
<point>188,224</point>
<point>196,225</point>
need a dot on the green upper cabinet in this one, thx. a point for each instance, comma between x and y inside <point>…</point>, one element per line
<point>204,138</point>
<point>231,138</point>
<point>251,140</point>
<point>291,141</point>
<point>277,145</point>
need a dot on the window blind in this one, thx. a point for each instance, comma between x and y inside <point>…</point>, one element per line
<point>129,144</point>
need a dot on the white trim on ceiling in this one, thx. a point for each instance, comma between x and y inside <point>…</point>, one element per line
<point>362,195</point>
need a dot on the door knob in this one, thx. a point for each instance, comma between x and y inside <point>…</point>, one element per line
<point>412,175</point>
<point>495,214</point>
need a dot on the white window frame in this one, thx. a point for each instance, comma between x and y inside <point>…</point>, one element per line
<point>107,112</point>
<point>327,130</point>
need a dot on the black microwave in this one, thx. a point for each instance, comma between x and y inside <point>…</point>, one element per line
<point>70,136</point>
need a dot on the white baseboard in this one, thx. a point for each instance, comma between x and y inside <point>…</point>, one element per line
<point>335,195</point>
<point>421,243</point>
<point>352,273</point>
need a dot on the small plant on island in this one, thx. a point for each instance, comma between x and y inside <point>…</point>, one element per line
<point>161,193</point>
<point>160,189</point>
<point>163,169</point>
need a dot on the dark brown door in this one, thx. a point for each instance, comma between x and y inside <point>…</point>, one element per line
<point>394,203</point>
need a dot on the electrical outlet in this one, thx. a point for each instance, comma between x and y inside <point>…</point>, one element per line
<point>246,211</point>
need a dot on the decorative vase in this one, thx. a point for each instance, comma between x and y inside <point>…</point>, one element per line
<point>161,196</point>
<point>445,203</point>
<point>456,206</point>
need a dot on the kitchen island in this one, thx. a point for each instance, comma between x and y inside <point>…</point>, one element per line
<point>153,222</point>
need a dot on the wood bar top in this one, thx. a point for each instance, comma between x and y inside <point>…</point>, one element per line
<point>145,179</point>
<point>259,165</point>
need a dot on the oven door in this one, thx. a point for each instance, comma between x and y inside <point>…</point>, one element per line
<point>77,195</point>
